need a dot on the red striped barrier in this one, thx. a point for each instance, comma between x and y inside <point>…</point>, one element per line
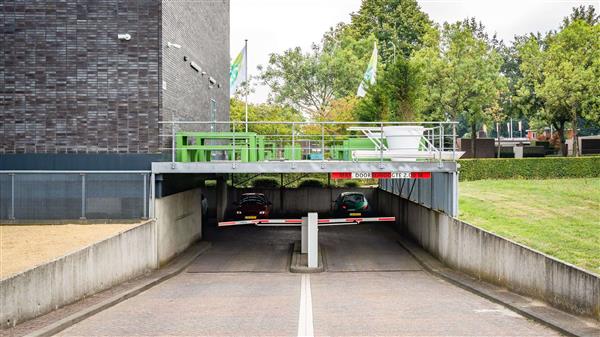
<point>296,222</point>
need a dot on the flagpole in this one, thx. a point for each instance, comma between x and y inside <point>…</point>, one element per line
<point>247,86</point>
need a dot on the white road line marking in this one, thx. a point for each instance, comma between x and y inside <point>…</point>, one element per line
<point>305,319</point>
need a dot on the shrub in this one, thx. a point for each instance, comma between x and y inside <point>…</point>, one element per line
<point>311,183</point>
<point>210,183</point>
<point>265,182</point>
<point>351,184</point>
<point>529,168</point>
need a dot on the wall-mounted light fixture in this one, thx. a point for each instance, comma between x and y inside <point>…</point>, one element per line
<point>195,66</point>
<point>173,45</point>
<point>125,37</point>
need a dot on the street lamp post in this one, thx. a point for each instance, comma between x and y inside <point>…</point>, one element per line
<point>394,48</point>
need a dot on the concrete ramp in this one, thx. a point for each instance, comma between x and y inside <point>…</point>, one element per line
<point>237,257</point>
<point>367,247</point>
<point>247,249</point>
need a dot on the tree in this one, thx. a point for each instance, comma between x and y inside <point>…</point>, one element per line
<point>461,74</point>
<point>587,14</point>
<point>531,52</point>
<point>340,110</point>
<point>395,96</point>
<point>309,82</point>
<point>571,69</point>
<point>398,25</point>
<point>264,112</point>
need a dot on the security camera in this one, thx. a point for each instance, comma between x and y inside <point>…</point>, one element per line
<point>125,37</point>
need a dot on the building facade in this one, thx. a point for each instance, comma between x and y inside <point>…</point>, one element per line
<point>83,80</point>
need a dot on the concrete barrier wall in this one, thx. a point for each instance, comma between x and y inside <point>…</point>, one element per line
<point>179,223</point>
<point>494,259</point>
<point>67,279</point>
<point>298,201</point>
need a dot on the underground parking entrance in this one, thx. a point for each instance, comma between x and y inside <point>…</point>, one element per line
<point>365,282</point>
<point>242,284</point>
<point>416,161</point>
<point>304,222</point>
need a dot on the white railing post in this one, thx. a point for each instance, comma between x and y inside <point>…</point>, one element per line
<point>381,147</point>
<point>173,144</point>
<point>293,144</point>
<point>12,196</point>
<point>304,238</point>
<point>322,144</point>
<point>144,215</point>
<point>233,150</point>
<point>453,141</point>
<point>82,196</point>
<point>313,240</point>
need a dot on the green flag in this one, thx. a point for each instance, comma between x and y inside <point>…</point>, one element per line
<point>237,72</point>
<point>370,74</point>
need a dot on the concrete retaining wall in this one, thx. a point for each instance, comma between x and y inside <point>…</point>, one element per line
<point>495,259</point>
<point>77,275</point>
<point>179,223</point>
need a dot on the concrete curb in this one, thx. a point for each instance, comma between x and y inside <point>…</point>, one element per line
<point>556,319</point>
<point>176,267</point>
<point>299,261</point>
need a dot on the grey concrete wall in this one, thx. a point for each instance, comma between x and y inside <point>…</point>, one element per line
<point>495,259</point>
<point>77,275</point>
<point>221,196</point>
<point>179,223</point>
<point>301,200</point>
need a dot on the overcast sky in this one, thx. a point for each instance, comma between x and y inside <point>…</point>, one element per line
<point>276,25</point>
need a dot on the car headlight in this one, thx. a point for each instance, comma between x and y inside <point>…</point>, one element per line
<point>261,212</point>
<point>238,212</point>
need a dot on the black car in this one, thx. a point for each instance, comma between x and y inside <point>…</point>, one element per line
<point>253,206</point>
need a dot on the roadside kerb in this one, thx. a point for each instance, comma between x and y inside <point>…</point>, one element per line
<point>556,319</point>
<point>173,269</point>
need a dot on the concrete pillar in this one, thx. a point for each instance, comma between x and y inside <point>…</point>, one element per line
<point>221,196</point>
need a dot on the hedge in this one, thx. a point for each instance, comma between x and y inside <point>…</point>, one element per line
<point>311,183</point>
<point>530,168</point>
<point>265,182</point>
<point>351,184</point>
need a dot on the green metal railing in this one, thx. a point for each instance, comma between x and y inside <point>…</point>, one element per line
<point>294,141</point>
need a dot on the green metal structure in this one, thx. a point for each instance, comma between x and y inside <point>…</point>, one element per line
<point>251,147</point>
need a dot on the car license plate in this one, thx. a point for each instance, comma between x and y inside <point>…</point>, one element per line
<point>355,214</point>
<point>250,217</point>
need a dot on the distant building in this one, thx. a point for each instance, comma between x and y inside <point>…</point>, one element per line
<point>85,84</point>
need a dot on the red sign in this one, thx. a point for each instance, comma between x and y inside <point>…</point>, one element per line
<point>381,175</point>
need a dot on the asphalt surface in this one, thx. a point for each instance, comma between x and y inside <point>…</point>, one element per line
<point>242,287</point>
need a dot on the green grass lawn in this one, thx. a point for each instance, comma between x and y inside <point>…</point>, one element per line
<point>560,217</point>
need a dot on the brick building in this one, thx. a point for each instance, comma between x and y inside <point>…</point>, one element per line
<point>84,84</point>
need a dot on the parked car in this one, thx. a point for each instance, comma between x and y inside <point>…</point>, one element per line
<point>351,204</point>
<point>252,206</point>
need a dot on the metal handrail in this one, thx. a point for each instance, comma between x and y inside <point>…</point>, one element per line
<point>433,138</point>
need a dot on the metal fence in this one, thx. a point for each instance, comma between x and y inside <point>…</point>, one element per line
<point>438,193</point>
<point>67,195</point>
<point>322,139</point>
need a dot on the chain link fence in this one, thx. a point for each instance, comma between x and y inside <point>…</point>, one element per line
<point>52,195</point>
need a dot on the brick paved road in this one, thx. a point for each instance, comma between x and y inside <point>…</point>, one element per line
<point>372,287</point>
